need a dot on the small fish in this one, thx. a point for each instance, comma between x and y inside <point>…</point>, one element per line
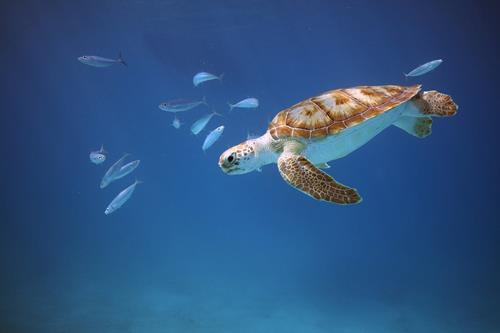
<point>125,170</point>
<point>200,124</point>
<point>180,105</point>
<point>121,198</point>
<point>204,76</point>
<point>97,61</point>
<point>176,123</point>
<point>108,176</point>
<point>248,103</point>
<point>425,68</point>
<point>212,137</point>
<point>98,156</point>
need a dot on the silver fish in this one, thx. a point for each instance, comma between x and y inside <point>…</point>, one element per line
<point>125,170</point>
<point>176,123</point>
<point>204,76</point>
<point>108,176</point>
<point>212,137</point>
<point>200,124</point>
<point>97,61</point>
<point>98,156</point>
<point>247,103</point>
<point>121,198</point>
<point>180,105</point>
<point>425,68</point>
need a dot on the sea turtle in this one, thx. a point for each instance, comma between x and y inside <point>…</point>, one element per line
<point>304,137</point>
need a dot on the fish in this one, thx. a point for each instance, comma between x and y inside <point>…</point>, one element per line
<point>425,68</point>
<point>176,123</point>
<point>200,124</point>
<point>204,76</point>
<point>247,103</point>
<point>212,137</point>
<point>121,198</point>
<point>180,105</point>
<point>108,176</point>
<point>125,170</point>
<point>98,156</point>
<point>97,61</point>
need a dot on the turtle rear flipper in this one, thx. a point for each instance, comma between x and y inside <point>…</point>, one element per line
<point>297,171</point>
<point>437,104</point>
<point>416,126</point>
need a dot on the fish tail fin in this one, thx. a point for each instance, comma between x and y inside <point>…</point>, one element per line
<point>231,106</point>
<point>137,181</point>
<point>217,114</point>
<point>221,76</point>
<point>406,75</point>
<point>204,100</point>
<point>121,60</point>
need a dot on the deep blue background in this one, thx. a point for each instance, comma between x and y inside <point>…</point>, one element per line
<point>425,239</point>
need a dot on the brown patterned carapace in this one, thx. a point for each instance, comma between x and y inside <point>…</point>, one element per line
<point>336,110</point>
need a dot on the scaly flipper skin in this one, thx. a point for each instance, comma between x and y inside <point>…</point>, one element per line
<point>420,127</point>
<point>434,103</point>
<point>297,171</point>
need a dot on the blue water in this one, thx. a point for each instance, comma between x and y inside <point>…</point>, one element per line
<point>195,250</point>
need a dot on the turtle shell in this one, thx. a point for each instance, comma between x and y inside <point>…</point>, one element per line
<point>335,110</point>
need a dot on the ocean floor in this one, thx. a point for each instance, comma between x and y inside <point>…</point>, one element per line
<point>212,309</point>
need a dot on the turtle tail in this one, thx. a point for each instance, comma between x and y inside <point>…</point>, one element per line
<point>437,104</point>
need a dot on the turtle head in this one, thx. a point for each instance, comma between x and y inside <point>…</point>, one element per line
<point>240,159</point>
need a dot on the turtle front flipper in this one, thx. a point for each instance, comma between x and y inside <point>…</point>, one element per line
<point>297,171</point>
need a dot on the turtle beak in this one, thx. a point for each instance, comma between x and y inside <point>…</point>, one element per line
<point>224,165</point>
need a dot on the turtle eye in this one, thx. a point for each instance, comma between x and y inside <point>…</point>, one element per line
<point>230,158</point>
